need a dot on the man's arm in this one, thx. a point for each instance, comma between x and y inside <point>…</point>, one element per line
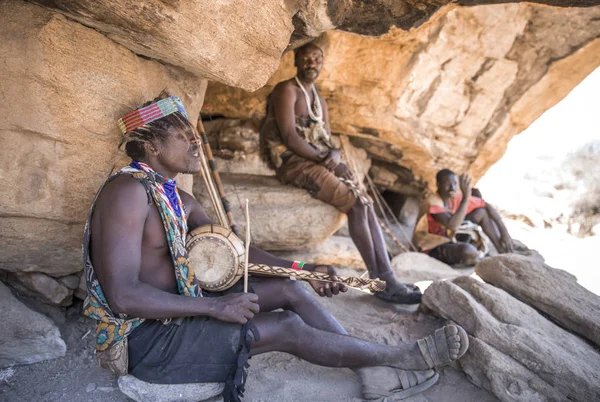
<point>284,101</point>
<point>123,210</point>
<point>453,222</point>
<point>334,158</point>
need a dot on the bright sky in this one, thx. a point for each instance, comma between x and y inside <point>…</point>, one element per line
<point>562,129</point>
<point>522,182</point>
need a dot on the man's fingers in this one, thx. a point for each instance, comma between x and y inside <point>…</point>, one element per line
<point>328,291</point>
<point>253,297</point>
<point>343,288</point>
<point>254,307</point>
<point>335,289</point>
<point>321,291</point>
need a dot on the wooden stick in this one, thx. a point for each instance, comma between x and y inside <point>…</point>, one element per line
<point>215,175</point>
<point>247,248</point>
<point>212,191</point>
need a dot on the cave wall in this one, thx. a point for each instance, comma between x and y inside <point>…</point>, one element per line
<point>63,86</point>
<point>448,86</point>
<point>450,93</point>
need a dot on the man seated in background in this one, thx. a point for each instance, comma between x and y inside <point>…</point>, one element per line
<point>447,211</point>
<point>296,141</point>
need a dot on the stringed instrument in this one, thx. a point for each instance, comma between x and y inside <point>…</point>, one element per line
<point>217,256</point>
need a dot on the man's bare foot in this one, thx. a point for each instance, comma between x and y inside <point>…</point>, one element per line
<point>446,345</point>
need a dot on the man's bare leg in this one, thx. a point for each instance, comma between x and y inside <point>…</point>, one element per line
<point>276,293</point>
<point>383,262</point>
<point>368,238</point>
<point>457,254</point>
<point>481,217</point>
<point>286,332</point>
<point>360,232</point>
<point>295,297</point>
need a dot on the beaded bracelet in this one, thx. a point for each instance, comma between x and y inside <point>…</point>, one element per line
<point>298,265</point>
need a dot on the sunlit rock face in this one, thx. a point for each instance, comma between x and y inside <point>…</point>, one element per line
<point>64,86</point>
<point>448,86</point>
<point>240,43</point>
<point>450,93</point>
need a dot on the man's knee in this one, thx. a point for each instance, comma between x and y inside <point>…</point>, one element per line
<point>469,254</point>
<point>289,326</point>
<point>289,322</point>
<point>294,292</point>
<point>477,215</point>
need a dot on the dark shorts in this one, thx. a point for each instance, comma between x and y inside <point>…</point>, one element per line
<point>192,350</point>
<point>199,349</point>
<point>317,180</point>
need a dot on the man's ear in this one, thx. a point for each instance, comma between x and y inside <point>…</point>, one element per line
<point>151,149</point>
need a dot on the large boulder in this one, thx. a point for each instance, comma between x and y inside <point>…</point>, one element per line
<point>448,94</point>
<point>42,286</point>
<point>281,217</point>
<point>26,336</point>
<point>553,291</point>
<point>64,85</point>
<point>516,352</point>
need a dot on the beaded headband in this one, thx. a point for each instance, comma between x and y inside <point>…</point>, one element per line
<point>148,114</point>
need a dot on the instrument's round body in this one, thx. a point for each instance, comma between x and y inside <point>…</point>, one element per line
<point>217,256</point>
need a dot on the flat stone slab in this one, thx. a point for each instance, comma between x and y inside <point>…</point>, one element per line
<point>552,291</point>
<point>141,391</point>
<point>516,353</point>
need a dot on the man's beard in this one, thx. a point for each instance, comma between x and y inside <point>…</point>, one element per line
<point>311,77</point>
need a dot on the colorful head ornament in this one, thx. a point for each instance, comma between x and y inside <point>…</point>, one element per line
<point>148,114</point>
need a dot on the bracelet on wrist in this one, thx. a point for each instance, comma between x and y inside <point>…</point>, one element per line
<point>298,265</point>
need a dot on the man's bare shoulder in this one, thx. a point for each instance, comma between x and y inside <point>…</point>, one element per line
<point>123,189</point>
<point>434,199</point>
<point>188,200</point>
<point>286,87</point>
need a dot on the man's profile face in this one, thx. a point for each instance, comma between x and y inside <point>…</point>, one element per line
<point>309,62</point>
<point>181,152</point>
<point>448,185</point>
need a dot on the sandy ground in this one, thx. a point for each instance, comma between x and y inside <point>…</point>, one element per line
<point>272,377</point>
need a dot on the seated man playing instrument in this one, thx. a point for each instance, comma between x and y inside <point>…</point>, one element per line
<point>154,321</point>
<point>447,211</point>
<point>296,142</point>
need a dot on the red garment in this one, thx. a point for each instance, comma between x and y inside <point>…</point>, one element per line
<point>437,228</point>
